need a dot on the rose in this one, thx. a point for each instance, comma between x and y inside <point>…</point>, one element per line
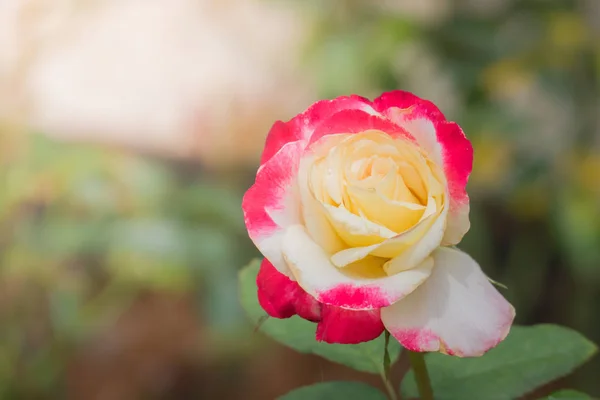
<point>354,207</point>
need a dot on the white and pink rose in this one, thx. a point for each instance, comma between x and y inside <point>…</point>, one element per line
<point>356,207</point>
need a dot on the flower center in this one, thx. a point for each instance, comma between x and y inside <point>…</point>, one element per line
<point>379,193</point>
<point>376,177</point>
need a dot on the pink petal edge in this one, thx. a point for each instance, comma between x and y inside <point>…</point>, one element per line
<point>281,297</point>
<point>302,126</point>
<point>270,195</point>
<point>456,150</point>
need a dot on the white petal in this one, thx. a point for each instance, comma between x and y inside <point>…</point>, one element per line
<point>424,131</point>
<point>272,203</point>
<point>319,277</point>
<point>458,224</point>
<point>456,311</point>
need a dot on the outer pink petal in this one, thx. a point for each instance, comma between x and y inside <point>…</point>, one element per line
<point>302,126</point>
<point>280,134</point>
<point>347,326</point>
<point>281,297</point>
<point>444,141</point>
<point>458,163</point>
<point>401,99</point>
<point>271,203</point>
<point>456,311</point>
<point>355,121</point>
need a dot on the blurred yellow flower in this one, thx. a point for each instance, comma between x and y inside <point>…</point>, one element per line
<point>492,161</point>
<point>567,30</point>
<point>587,173</point>
<point>506,78</point>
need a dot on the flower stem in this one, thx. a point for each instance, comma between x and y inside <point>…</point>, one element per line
<point>385,376</point>
<point>417,362</point>
<point>390,389</point>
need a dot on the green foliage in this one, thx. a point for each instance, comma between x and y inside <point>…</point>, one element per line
<point>568,394</point>
<point>299,334</point>
<point>335,391</point>
<point>527,359</point>
<point>84,231</point>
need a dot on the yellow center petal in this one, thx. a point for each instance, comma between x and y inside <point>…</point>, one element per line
<point>380,195</point>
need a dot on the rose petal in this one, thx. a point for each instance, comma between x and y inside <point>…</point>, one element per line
<point>281,297</point>
<point>303,125</point>
<point>356,121</point>
<point>272,203</point>
<point>458,162</point>
<point>280,134</point>
<point>355,230</point>
<point>402,99</point>
<point>316,274</point>
<point>456,311</point>
<point>446,144</point>
<point>348,326</point>
<point>315,218</point>
<point>415,244</point>
<point>397,216</point>
<point>422,248</point>
<point>458,223</point>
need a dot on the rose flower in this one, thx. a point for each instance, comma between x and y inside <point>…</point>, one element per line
<point>356,207</point>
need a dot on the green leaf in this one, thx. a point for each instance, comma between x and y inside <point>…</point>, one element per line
<point>568,394</point>
<point>299,334</point>
<point>338,390</point>
<point>527,359</point>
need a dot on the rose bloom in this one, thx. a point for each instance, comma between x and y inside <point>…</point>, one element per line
<point>356,207</point>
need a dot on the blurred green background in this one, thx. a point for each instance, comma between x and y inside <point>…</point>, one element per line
<point>119,253</point>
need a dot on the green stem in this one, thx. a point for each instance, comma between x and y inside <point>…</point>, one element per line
<point>390,389</point>
<point>385,375</point>
<point>417,362</point>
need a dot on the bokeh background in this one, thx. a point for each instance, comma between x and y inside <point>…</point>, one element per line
<point>129,130</point>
